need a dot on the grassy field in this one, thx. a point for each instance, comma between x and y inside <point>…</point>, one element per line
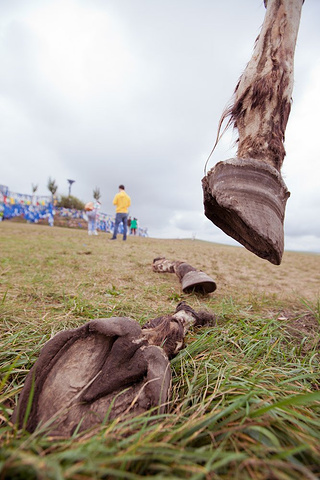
<point>245,400</point>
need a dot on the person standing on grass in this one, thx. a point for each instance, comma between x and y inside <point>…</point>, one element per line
<point>122,201</point>
<point>133,226</point>
<point>92,215</point>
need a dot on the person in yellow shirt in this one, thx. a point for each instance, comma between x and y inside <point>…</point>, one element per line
<point>122,201</point>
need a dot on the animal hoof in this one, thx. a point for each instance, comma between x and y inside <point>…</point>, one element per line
<point>246,198</point>
<point>198,282</point>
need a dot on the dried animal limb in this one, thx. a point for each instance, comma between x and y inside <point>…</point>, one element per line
<point>169,331</point>
<point>192,280</point>
<point>108,368</point>
<point>246,196</point>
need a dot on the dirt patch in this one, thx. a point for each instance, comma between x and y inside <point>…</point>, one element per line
<point>302,330</point>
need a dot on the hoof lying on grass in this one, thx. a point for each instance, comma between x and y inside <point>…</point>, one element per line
<point>100,371</point>
<point>108,368</point>
<point>191,279</point>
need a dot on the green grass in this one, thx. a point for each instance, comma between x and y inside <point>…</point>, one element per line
<point>245,401</point>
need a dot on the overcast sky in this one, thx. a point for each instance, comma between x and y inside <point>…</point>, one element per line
<point>131,91</point>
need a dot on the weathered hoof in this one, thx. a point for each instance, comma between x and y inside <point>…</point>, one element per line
<point>102,370</point>
<point>195,281</point>
<point>246,198</point>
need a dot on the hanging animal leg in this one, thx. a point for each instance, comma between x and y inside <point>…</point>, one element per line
<point>246,196</point>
